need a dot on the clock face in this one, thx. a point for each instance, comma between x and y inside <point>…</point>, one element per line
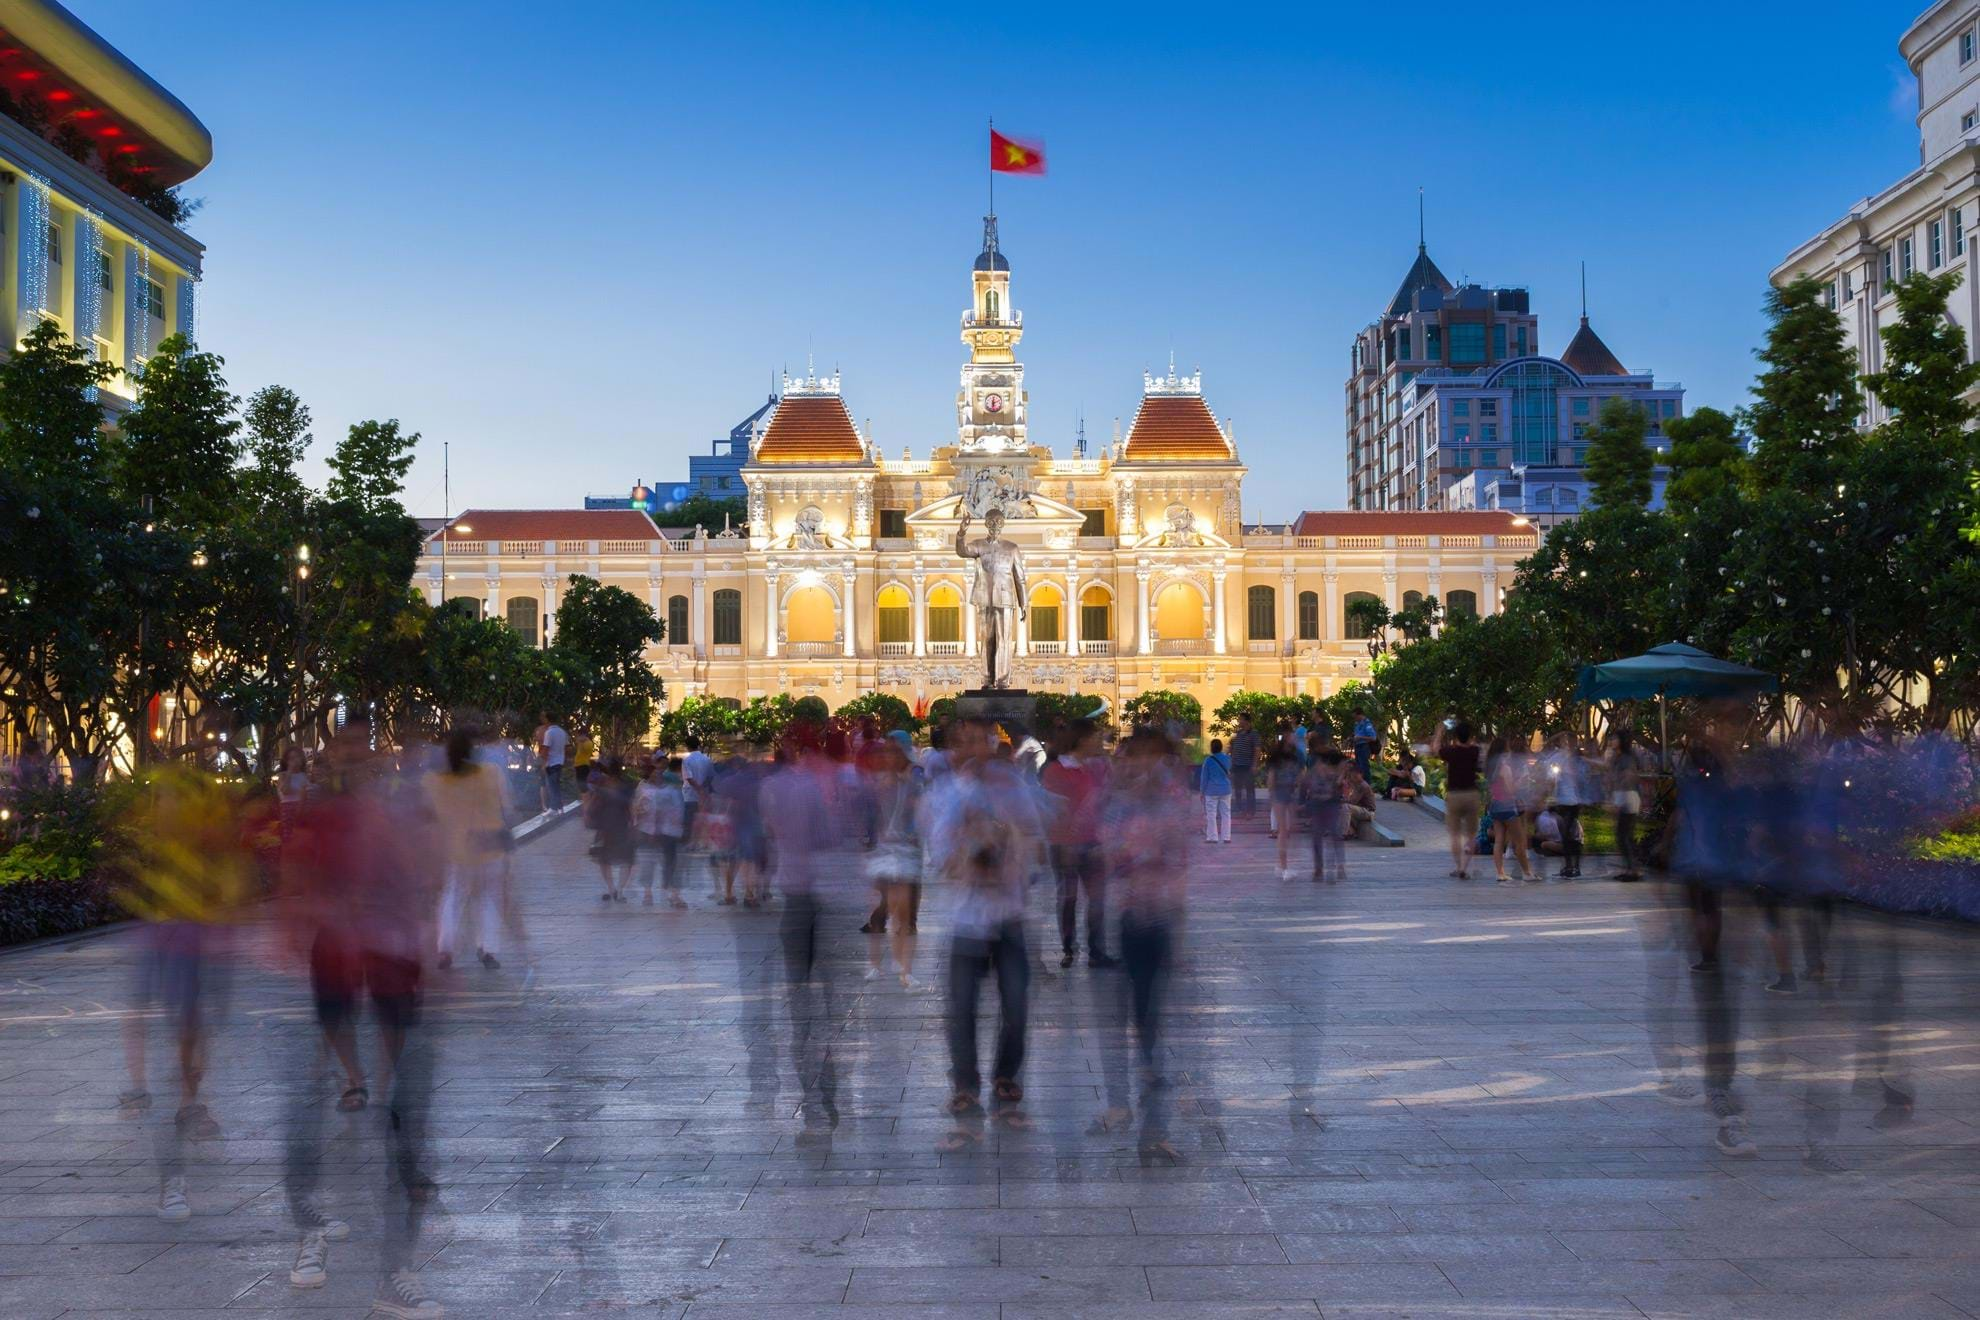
<point>993,402</point>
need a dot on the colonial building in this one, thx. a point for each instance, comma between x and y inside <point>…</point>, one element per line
<point>89,146</point>
<point>1920,222</point>
<point>1140,572</point>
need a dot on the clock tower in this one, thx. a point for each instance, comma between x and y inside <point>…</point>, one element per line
<point>990,409</point>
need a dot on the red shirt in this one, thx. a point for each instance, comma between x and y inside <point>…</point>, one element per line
<point>1077,785</point>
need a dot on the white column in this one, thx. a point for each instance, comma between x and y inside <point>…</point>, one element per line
<point>1218,623</point>
<point>697,626</point>
<point>1389,587</point>
<point>920,612</point>
<point>1330,623</point>
<point>1142,620</point>
<point>1288,611</point>
<point>1488,596</point>
<point>770,617</point>
<point>1435,586</point>
<point>847,615</point>
<point>549,609</point>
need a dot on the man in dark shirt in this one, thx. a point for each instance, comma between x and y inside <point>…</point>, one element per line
<point>1244,767</point>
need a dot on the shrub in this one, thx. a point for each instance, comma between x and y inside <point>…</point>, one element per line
<point>883,708</point>
<point>1166,706</point>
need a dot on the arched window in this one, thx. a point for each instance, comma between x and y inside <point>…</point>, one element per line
<point>1461,602</point>
<point>1046,606</point>
<point>677,620</point>
<point>990,308</point>
<point>1179,613</point>
<point>944,614</point>
<point>1412,600</point>
<point>810,615</point>
<point>894,615</point>
<point>1261,614</point>
<point>1096,615</point>
<point>1355,627</point>
<point>522,612</point>
<point>728,617</point>
<point>472,604</point>
<point>1309,616</point>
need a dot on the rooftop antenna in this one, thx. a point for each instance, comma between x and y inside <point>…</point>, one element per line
<point>1419,219</point>
<point>1584,293</point>
<point>1079,441</point>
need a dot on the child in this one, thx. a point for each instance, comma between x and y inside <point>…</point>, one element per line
<point>1323,801</point>
<point>1214,777</point>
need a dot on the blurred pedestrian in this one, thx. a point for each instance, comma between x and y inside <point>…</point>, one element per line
<point>1075,779</point>
<point>1507,770</point>
<point>1574,787</point>
<point>1462,797</point>
<point>659,819</point>
<point>1244,769</point>
<point>608,811</point>
<point>1624,770</point>
<point>1320,788</point>
<point>552,744</point>
<point>466,801</point>
<point>893,858</point>
<point>1282,774</point>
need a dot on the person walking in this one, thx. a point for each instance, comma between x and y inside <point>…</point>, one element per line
<point>1506,774</point>
<point>1321,788</point>
<point>659,821</point>
<point>1282,774</point>
<point>1624,769</point>
<point>1214,781</point>
<point>893,858</point>
<point>984,833</point>
<point>1076,778</point>
<point>1244,769</point>
<point>466,801</point>
<point>608,811</point>
<point>1574,787</point>
<point>1462,800</point>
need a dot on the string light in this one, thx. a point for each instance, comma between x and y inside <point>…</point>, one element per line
<point>34,254</point>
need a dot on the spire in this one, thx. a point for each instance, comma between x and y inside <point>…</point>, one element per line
<point>1584,293</point>
<point>1423,273</point>
<point>990,258</point>
<point>1421,246</point>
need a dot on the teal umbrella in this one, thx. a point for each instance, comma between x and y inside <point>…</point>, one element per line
<point>1670,670</point>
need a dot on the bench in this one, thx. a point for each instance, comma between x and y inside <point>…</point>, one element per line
<point>1433,805</point>
<point>1374,832</point>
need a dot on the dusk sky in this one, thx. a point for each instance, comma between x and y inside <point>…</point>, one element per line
<point>577,241</point>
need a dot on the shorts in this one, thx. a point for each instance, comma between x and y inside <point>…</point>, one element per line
<point>173,971</point>
<point>1500,815</point>
<point>1461,812</point>
<point>339,972</point>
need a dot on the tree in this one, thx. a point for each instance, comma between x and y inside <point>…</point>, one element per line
<point>703,511</point>
<point>1619,462</point>
<point>606,630</point>
<point>709,719</point>
<point>1164,706</point>
<point>887,711</point>
<point>1597,590</point>
<point>1806,401</point>
<point>1706,459</point>
<point>1265,709</point>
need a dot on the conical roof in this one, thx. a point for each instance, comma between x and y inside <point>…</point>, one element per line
<point>1587,355</point>
<point>1423,274</point>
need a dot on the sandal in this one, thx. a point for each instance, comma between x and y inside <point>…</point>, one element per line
<point>196,1123</point>
<point>959,1140</point>
<point>963,1102</point>
<point>133,1103</point>
<point>1015,1119</point>
<point>354,1099</point>
<point>1160,1151</point>
<point>1008,1091</point>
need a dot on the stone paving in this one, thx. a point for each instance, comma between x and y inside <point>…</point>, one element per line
<point>1400,1096</point>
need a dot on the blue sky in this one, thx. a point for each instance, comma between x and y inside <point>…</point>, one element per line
<point>576,240</point>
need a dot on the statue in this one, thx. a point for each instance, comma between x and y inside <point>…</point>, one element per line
<point>999,595</point>
<point>1182,527</point>
<point>809,533</point>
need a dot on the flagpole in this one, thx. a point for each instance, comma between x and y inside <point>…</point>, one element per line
<point>992,170</point>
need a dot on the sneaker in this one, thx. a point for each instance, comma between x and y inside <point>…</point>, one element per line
<point>402,1295</point>
<point>605,897</point>
<point>312,1267</point>
<point>173,1207</point>
<point>1732,1139</point>
<point>1066,959</point>
<point>1821,1160</point>
<point>1784,985</point>
<point>911,984</point>
<point>1705,966</point>
<point>196,1123</point>
<point>318,1224</point>
<point>1678,1091</point>
<point>872,974</point>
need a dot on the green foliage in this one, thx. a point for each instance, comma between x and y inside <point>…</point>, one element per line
<point>704,511</point>
<point>1501,672</point>
<point>1806,400</point>
<point>883,708</point>
<point>710,719</point>
<point>604,631</point>
<point>811,710</point>
<point>1619,462</point>
<point>941,711</point>
<point>763,721</point>
<point>1052,710</point>
<point>1706,460</point>
<point>1164,706</point>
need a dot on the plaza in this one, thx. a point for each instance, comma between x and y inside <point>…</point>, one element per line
<point>1398,1097</point>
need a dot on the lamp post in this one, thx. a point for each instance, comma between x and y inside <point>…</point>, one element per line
<point>302,635</point>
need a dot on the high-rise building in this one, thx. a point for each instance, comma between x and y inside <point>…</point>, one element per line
<point>91,154</point>
<point>1429,324</point>
<point>1922,221</point>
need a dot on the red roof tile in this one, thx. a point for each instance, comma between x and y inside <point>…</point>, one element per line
<point>1467,522</point>
<point>554,525</point>
<point>811,428</point>
<point>1174,427</point>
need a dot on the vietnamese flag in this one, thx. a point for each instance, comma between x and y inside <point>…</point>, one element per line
<point>1013,156</point>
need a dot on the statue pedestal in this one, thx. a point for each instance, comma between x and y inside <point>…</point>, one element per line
<point>1014,708</point>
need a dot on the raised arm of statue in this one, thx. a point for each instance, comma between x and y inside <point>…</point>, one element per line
<point>963,547</point>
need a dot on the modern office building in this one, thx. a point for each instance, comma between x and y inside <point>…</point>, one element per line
<point>845,579</point>
<point>716,474</point>
<point>1922,221</point>
<point>1430,325</point>
<point>92,152</point>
